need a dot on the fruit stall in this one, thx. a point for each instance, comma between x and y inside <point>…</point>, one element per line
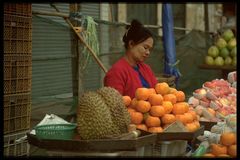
<point>55,104</point>
<point>222,55</point>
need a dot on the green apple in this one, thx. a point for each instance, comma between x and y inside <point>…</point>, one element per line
<point>228,60</point>
<point>221,43</point>
<point>234,61</point>
<point>232,43</point>
<point>213,51</point>
<point>219,61</point>
<point>209,60</point>
<point>233,52</point>
<point>224,52</point>
<point>227,35</point>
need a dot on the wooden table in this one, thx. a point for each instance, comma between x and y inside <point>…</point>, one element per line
<point>224,69</point>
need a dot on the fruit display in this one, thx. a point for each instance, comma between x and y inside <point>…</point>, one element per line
<point>226,146</point>
<point>216,99</point>
<point>224,51</point>
<point>102,113</point>
<point>154,109</point>
<point>220,141</point>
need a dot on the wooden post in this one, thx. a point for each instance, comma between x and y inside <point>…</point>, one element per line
<point>77,83</point>
<point>206,17</point>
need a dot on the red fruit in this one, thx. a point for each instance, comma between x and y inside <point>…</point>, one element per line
<point>209,85</point>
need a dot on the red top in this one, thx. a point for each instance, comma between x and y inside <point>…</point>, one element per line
<point>126,80</point>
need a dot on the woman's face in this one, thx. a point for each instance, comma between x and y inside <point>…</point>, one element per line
<point>141,51</point>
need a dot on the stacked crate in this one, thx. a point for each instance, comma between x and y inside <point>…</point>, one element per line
<point>17,74</point>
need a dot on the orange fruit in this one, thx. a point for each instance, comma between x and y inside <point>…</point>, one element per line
<point>168,118</point>
<point>228,138</point>
<point>127,100</point>
<point>167,105</point>
<point>170,97</point>
<point>172,90</point>
<point>218,149</point>
<point>232,150</point>
<point>152,91</point>
<point>165,125</point>
<point>189,117</point>
<point>133,103</point>
<point>186,105</point>
<point>142,127</point>
<point>142,93</point>
<point>180,96</point>
<point>208,155</point>
<point>191,127</point>
<point>179,108</point>
<point>143,106</point>
<point>162,88</point>
<point>157,111</point>
<point>155,99</point>
<point>152,121</point>
<point>196,123</point>
<point>131,110</point>
<point>193,113</point>
<point>182,118</point>
<point>136,117</point>
<point>223,155</point>
<point>155,129</point>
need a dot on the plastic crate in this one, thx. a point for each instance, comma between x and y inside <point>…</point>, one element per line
<point>17,74</point>
<point>17,111</point>
<point>22,9</point>
<point>170,148</point>
<point>17,34</point>
<point>15,146</point>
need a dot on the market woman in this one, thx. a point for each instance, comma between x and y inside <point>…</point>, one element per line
<point>130,72</point>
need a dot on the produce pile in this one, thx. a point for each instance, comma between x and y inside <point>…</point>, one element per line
<point>102,113</point>
<point>216,99</point>
<point>153,109</point>
<point>224,51</point>
<point>221,139</point>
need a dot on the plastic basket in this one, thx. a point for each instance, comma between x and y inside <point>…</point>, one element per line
<point>55,131</point>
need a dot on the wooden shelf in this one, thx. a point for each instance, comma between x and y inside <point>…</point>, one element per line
<point>224,69</point>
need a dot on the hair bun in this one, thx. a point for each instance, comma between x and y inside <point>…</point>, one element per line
<point>136,23</point>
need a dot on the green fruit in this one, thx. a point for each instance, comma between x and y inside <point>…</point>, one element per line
<point>228,60</point>
<point>224,52</point>
<point>227,35</point>
<point>219,61</point>
<point>209,60</point>
<point>233,52</point>
<point>234,61</point>
<point>221,43</point>
<point>213,51</point>
<point>232,43</point>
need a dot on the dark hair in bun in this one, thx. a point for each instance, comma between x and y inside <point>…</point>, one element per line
<point>136,32</point>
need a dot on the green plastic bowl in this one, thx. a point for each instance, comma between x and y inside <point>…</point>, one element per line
<point>55,131</point>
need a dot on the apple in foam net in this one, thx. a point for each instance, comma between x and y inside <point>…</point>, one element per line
<point>209,85</point>
<point>200,91</point>
<point>224,101</point>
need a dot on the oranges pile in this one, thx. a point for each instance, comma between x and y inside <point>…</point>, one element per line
<point>226,148</point>
<point>153,109</point>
